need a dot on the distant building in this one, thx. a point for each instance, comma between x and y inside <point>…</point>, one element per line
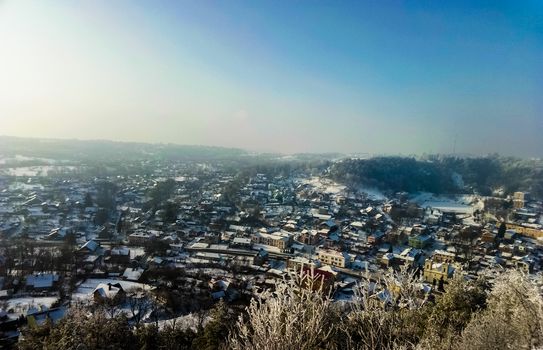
<point>443,256</point>
<point>420,241</point>
<point>533,231</point>
<point>241,242</point>
<point>279,239</point>
<point>41,281</point>
<point>333,258</point>
<point>310,237</point>
<point>435,271</point>
<point>318,279</point>
<point>298,262</point>
<point>519,199</point>
<point>376,238</point>
<point>488,237</point>
<point>118,255</point>
<point>261,257</point>
<point>142,238</point>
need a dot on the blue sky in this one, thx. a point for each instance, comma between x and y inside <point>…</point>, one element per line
<point>289,76</point>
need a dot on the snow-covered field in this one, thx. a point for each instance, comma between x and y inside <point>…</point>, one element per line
<point>20,158</point>
<point>324,185</point>
<point>462,204</point>
<point>23,304</point>
<point>42,170</point>
<point>330,187</point>
<point>372,193</point>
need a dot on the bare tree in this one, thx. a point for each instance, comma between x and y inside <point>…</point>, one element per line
<point>140,304</point>
<point>110,306</point>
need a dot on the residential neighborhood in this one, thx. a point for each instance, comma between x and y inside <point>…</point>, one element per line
<point>170,243</point>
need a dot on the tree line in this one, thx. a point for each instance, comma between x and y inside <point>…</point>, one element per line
<point>443,174</point>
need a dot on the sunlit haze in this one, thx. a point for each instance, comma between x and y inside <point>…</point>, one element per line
<point>366,76</point>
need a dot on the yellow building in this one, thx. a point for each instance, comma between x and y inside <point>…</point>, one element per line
<point>281,240</point>
<point>297,263</point>
<point>434,271</point>
<point>443,256</point>
<point>529,231</point>
<point>333,258</point>
<point>518,200</point>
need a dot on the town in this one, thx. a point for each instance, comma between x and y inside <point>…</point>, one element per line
<point>168,241</point>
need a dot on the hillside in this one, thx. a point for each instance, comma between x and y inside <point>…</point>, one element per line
<point>482,175</point>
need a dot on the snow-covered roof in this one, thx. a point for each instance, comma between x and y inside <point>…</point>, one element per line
<point>91,245</point>
<point>41,280</point>
<point>108,290</point>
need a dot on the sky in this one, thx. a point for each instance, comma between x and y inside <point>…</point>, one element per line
<point>378,77</point>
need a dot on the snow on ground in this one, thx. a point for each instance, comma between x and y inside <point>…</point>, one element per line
<point>331,187</point>
<point>462,204</point>
<point>184,322</point>
<point>208,270</point>
<point>22,304</point>
<point>41,170</point>
<point>85,289</point>
<point>325,185</point>
<point>372,193</point>
<point>25,186</point>
<point>19,158</point>
<point>267,248</point>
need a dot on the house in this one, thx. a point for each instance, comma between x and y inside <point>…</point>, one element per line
<point>260,258</point>
<point>133,274</point>
<point>310,237</point>
<point>142,238</point>
<point>91,247</point>
<point>329,225</point>
<point>119,255</point>
<point>443,256</point>
<point>41,282</point>
<point>241,242</point>
<point>375,238</point>
<point>108,291</point>
<point>297,263</point>
<point>225,286</point>
<point>420,241</point>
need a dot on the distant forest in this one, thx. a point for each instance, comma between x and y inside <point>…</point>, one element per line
<point>443,174</point>
<point>110,151</point>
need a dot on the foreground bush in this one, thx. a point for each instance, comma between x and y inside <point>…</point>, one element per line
<point>512,320</point>
<point>294,317</point>
<point>391,314</point>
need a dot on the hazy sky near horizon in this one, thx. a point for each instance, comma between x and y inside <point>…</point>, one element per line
<point>289,76</point>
